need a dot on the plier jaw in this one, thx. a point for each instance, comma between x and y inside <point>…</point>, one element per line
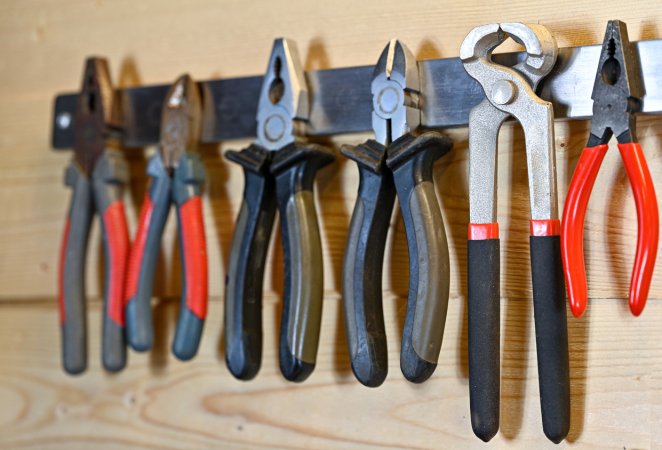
<point>618,89</point>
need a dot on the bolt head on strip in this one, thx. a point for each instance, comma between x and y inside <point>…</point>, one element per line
<point>395,93</point>
<point>181,120</point>
<point>284,104</point>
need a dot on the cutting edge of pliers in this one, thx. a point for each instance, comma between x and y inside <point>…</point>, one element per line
<point>617,98</point>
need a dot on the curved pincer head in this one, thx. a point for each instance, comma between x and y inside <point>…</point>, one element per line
<point>181,120</point>
<point>395,93</point>
<point>284,105</point>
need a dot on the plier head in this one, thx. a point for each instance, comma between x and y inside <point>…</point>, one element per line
<point>284,105</point>
<point>181,120</point>
<point>395,93</point>
<point>95,117</point>
<point>618,89</point>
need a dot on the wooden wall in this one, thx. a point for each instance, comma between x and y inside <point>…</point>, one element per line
<point>159,402</point>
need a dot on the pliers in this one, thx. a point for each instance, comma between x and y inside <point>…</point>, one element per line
<point>397,160</point>
<point>279,170</point>
<point>617,97</point>
<point>97,175</point>
<point>510,92</point>
<point>177,176</point>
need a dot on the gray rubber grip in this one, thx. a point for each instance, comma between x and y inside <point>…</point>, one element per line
<point>484,336</point>
<point>549,306</point>
<point>363,261</point>
<point>411,160</point>
<point>108,179</point>
<point>294,168</point>
<point>72,267</point>
<point>139,326</point>
<point>245,272</point>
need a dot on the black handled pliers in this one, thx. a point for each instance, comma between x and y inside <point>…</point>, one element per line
<point>279,170</point>
<point>177,177</point>
<point>396,161</point>
<point>97,176</point>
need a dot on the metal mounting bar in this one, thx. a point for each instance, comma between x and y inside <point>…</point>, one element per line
<point>342,103</point>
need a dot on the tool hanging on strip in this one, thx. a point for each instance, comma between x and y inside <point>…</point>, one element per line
<point>97,176</point>
<point>510,92</point>
<point>397,160</point>
<point>279,169</point>
<point>617,97</point>
<point>177,176</point>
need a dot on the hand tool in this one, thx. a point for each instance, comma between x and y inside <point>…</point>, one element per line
<point>96,174</point>
<point>510,92</point>
<point>617,97</point>
<point>177,176</point>
<point>279,169</point>
<point>397,160</point>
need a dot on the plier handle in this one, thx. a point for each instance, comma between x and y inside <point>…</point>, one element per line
<point>177,176</point>
<point>617,97</point>
<point>97,175</point>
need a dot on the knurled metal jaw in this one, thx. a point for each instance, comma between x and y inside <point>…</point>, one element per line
<point>618,89</point>
<point>510,91</point>
<point>96,117</point>
<point>181,120</point>
<point>395,93</point>
<point>284,105</point>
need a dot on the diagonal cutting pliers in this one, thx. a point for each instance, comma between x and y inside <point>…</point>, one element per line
<point>617,97</point>
<point>97,176</point>
<point>510,92</point>
<point>397,161</point>
<point>279,170</point>
<point>177,176</point>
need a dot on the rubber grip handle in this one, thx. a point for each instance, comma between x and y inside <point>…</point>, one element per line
<point>71,275</point>
<point>551,335</point>
<point>109,176</point>
<point>572,223</point>
<point>143,257</point>
<point>363,261</point>
<point>294,168</point>
<point>484,305</point>
<point>245,272</point>
<point>187,182</point>
<point>648,224</point>
<point>411,160</point>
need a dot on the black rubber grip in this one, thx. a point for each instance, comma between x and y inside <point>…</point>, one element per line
<point>245,273</point>
<point>411,160</point>
<point>363,261</point>
<point>549,307</point>
<point>294,168</point>
<point>484,336</point>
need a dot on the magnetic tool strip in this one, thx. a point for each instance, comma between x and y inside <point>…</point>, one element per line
<point>342,102</point>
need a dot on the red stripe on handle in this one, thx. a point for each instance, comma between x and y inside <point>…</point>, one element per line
<point>648,229</point>
<point>117,233</point>
<point>138,248</point>
<point>572,226</point>
<point>60,275</point>
<point>483,231</point>
<point>547,227</point>
<point>195,256</point>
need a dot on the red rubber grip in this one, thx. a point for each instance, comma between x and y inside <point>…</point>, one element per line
<point>483,231</point>
<point>117,234</point>
<point>572,226</point>
<point>138,248</point>
<point>60,278</point>
<point>648,224</point>
<point>195,255</point>
<point>545,227</point>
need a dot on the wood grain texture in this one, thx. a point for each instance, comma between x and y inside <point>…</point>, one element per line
<point>160,403</point>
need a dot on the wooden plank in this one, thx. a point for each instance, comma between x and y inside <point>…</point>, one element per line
<point>159,402</point>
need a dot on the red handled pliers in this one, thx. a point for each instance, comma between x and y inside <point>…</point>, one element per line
<point>617,97</point>
<point>177,177</point>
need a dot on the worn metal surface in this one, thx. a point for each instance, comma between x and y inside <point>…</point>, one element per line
<point>341,101</point>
